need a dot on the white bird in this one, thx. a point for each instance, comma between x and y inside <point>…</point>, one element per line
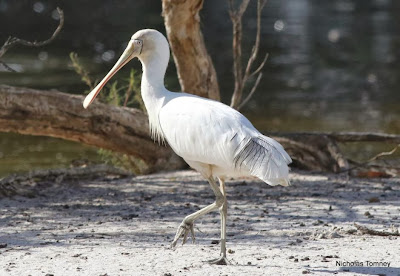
<point>213,138</point>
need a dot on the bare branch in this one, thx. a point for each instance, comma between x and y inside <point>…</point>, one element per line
<point>12,41</point>
<point>341,161</point>
<point>364,164</point>
<point>387,153</point>
<point>260,67</point>
<point>244,102</point>
<point>256,46</point>
<point>349,137</point>
<point>230,3</point>
<point>240,78</point>
<point>5,65</point>
<point>237,14</point>
<point>243,8</point>
<point>236,17</point>
<point>263,3</point>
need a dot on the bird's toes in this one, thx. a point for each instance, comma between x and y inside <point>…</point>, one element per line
<point>173,243</point>
<point>192,233</point>
<point>176,238</point>
<point>183,232</point>
<point>185,235</point>
<point>219,261</point>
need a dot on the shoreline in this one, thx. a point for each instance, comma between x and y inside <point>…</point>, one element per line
<point>123,226</point>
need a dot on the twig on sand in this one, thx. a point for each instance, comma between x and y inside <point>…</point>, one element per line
<point>367,231</point>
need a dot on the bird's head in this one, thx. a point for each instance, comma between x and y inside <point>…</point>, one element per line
<point>144,45</point>
<point>151,43</point>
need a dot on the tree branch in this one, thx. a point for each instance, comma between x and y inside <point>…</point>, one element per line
<point>5,65</point>
<point>387,153</point>
<point>240,78</point>
<point>12,41</point>
<point>363,164</point>
<point>244,102</point>
<point>348,136</point>
<point>261,66</point>
<point>255,49</point>
<point>319,151</point>
<point>236,17</point>
<point>237,14</point>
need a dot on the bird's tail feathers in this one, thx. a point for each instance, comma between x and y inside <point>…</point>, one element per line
<point>264,158</point>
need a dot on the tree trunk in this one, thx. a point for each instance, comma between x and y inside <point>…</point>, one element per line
<point>195,69</point>
<point>61,115</point>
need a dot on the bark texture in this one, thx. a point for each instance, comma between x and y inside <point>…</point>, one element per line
<point>195,69</point>
<point>56,114</point>
<point>125,130</point>
<point>313,152</point>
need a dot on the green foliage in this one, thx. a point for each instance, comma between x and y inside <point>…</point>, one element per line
<point>123,161</point>
<point>123,92</point>
<point>80,70</point>
<point>134,86</point>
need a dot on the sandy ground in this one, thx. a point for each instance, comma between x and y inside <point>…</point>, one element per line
<point>124,227</point>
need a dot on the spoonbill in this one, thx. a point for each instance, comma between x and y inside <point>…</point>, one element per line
<point>213,138</point>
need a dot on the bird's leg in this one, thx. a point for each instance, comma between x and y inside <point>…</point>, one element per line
<point>187,223</point>
<point>223,210</point>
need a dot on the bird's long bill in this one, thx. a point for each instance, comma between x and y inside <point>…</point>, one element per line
<point>126,56</point>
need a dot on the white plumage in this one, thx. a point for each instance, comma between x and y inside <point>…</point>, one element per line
<point>213,134</point>
<point>211,137</point>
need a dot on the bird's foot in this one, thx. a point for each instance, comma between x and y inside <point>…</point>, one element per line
<point>219,261</point>
<point>183,231</point>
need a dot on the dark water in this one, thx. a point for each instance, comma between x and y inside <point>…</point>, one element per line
<point>333,65</point>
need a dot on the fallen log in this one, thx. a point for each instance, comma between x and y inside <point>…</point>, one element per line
<point>313,152</point>
<point>61,115</point>
<point>125,130</point>
<point>347,137</point>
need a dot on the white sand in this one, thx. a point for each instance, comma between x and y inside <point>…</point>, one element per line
<point>125,226</point>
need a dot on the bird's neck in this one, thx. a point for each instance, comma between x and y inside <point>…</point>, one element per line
<point>154,93</point>
<point>153,72</point>
<point>152,86</point>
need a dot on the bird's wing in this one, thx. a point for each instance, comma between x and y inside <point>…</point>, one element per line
<point>202,130</point>
<point>210,132</point>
